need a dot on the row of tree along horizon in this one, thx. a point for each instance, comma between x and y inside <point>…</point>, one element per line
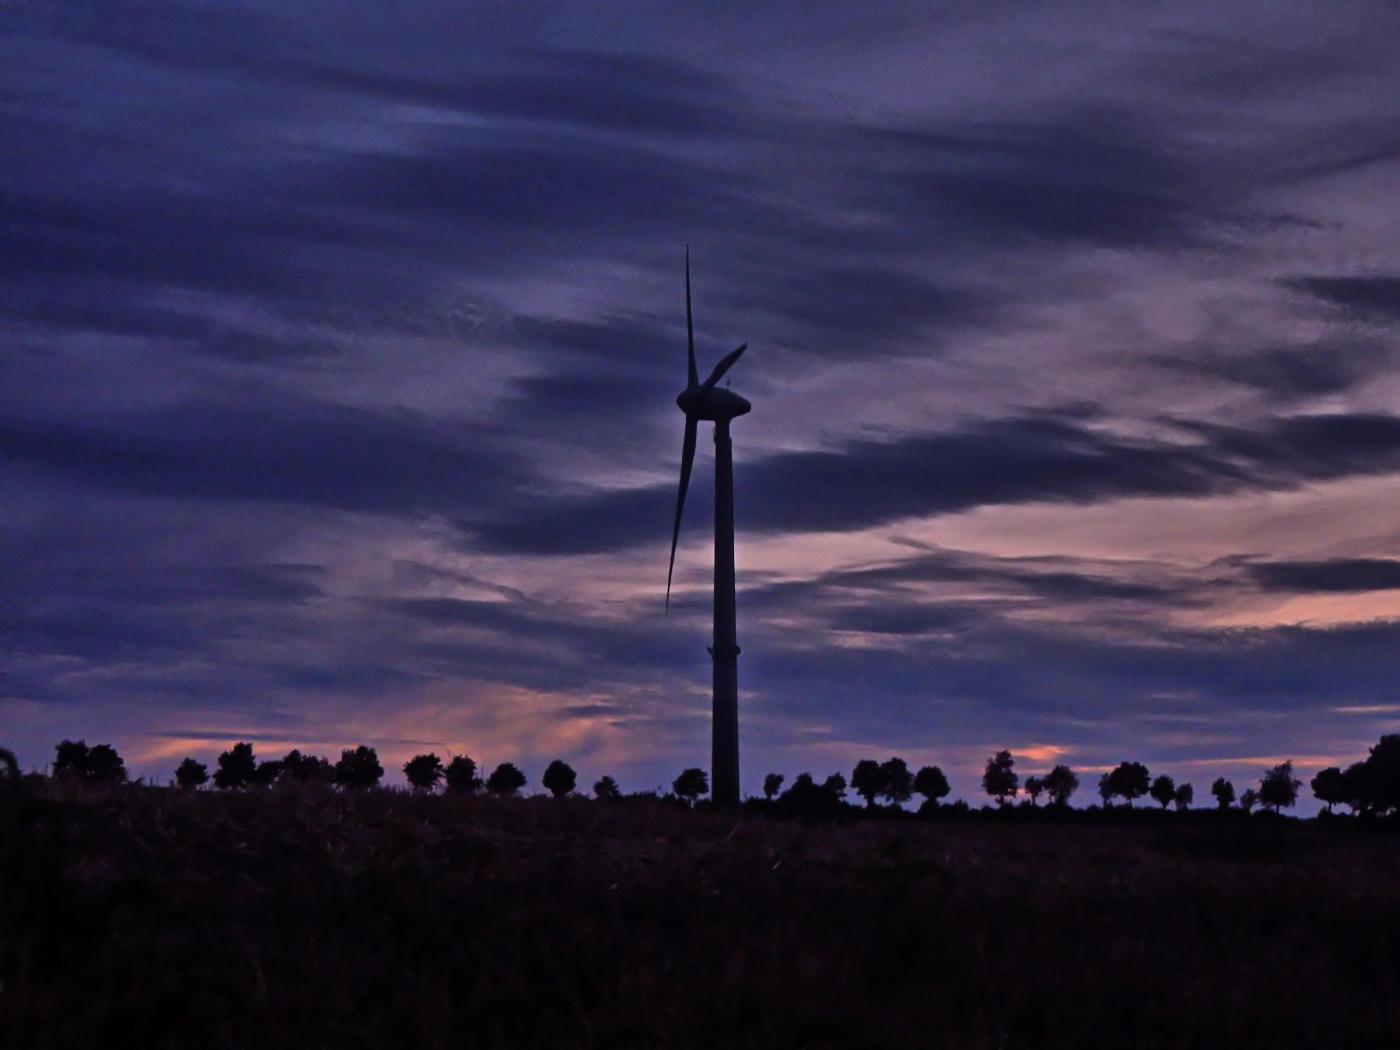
<point>1370,786</point>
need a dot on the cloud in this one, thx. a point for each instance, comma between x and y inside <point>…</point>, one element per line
<point>1366,298</point>
<point>1006,461</point>
<point>1334,576</point>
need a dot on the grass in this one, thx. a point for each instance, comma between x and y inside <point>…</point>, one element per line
<point>309,918</point>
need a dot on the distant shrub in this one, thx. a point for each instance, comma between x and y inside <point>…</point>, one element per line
<point>1249,798</point>
<point>867,782</point>
<point>896,782</point>
<point>691,784</point>
<point>999,778</point>
<point>606,789</point>
<point>307,768</point>
<point>358,768</point>
<point>235,767</point>
<point>1330,786</point>
<point>190,774</point>
<point>559,778</point>
<point>1034,787</point>
<point>1163,791</point>
<point>772,784</point>
<point>835,786</point>
<point>505,780</point>
<point>74,760</point>
<point>1185,795</point>
<point>1060,784</point>
<point>1224,792</point>
<point>423,772</point>
<point>930,782</point>
<point>462,777</point>
<point>1278,788</point>
<point>1128,780</point>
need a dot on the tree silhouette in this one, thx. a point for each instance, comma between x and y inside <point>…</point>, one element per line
<point>606,788</point>
<point>190,774</point>
<point>10,780</point>
<point>267,772</point>
<point>1034,787</point>
<point>1163,790</point>
<point>1279,787</point>
<point>932,784</point>
<point>999,779</point>
<point>1377,782</point>
<point>505,780</point>
<point>1128,780</point>
<point>305,768</point>
<point>691,784</point>
<point>236,767</point>
<point>1224,792</point>
<point>100,764</point>
<point>896,782</point>
<point>461,775</point>
<point>1185,795</point>
<point>358,768</point>
<point>772,784</point>
<point>559,778</point>
<point>1060,784</point>
<point>1105,789</point>
<point>1249,798</point>
<point>867,782</point>
<point>1330,786</point>
<point>835,786</point>
<point>70,760</point>
<point>423,772</point>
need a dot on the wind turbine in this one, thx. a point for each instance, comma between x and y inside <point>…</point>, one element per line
<point>706,401</point>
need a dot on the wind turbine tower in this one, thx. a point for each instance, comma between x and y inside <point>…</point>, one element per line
<point>711,403</point>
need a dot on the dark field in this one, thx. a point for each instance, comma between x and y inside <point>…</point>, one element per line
<point>309,918</point>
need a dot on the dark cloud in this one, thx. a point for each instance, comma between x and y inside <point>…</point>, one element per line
<point>1313,370</point>
<point>1368,298</point>
<point>1334,576</point>
<point>1015,460</point>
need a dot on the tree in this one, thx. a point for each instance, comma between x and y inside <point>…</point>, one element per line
<point>932,784</point>
<point>1279,787</point>
<point>236,767</point>
<point>772,784</point>
<point>1129,780</point>
<point>423,772</point>
<point>1224,792</point>
<point>1185,795</point>
<point>559,778</point>
<point>267,772</point>
<point>461,776</point>
<point>70,760</point>
<point>1330,786</point>
<point>1060,784</point>
<point>1034,788</point>
<point>999,778</point>
<point>867,782</point>
<point>1105,789</point>
<point>606,788</point>
<point>358,768</point>
<point>105,766</point>
<point>691,784</point>
<point>74,760</point>
<point>835,786</point>
<point>896,782</point>
<point>1249,798</point>
<point>306,768</point>
<point>190,774</point>
<point>1163,790</point>
<point>1376,779</point>
<point>505,780</point>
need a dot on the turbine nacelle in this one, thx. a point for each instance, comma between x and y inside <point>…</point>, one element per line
<point>713,404</point>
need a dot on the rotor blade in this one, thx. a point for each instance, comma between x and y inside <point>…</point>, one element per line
<point>725,363</point>
<point>692,375</point>
<point>687,460</point>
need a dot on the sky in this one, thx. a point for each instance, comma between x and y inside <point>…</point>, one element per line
<point>341,342</point>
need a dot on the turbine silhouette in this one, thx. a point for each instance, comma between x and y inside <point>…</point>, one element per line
<point>706,401</point>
